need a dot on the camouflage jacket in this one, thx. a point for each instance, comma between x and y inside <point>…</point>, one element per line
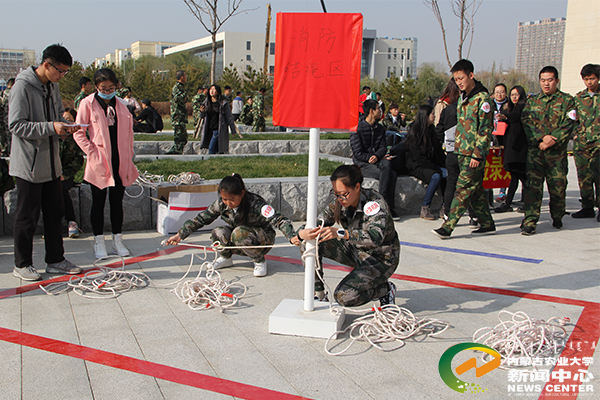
<point>549,115</point>
<point>121,92</point>
<point>246,116</point>
<point>178,108</point>
<point>260,215</point>
<point>71,157</point>
<point>4,96</point>
<point>588,114</point>
<point>197,101</point>
<point>370,226</point>
<point>80,96</point>
<point>390,125</point>
<point>4,135</point>
<point>474,123</point>
<point>258,105</point>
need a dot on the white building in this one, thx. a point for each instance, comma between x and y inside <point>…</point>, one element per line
<point>382,57</point>
<point>243,50</point>
<point>13,60</point>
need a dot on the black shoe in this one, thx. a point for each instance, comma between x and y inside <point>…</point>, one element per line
<point>324,294</point>
<point>528,230</point>
<point>473,223</point>
<point>395,216</point>
<point>441,233</point>
<point>175,151</point>
<point>584,213</point>
<point>489,230</point>
<point>520,210</point>
<point>390,297</point>
<point>557,223</point>
<point>503,208</point>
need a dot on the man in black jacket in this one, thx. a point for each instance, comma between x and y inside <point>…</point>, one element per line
<point>146,121</point>
<point>369,152</point>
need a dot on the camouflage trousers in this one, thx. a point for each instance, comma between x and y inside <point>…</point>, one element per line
<point>551,166</point>
<point>369,276</point>
<point>180,136</point>
<point>244,236</point>
<point>469,192</point>
<point>259,124</point>
<point>587,160</point>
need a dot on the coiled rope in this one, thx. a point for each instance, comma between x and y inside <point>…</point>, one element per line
<point>390,323</point>
<point>153,181</point>
<point>186,178</point>
<point>518,335</point>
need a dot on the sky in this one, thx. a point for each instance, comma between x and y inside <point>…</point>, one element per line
<point>90,28</point>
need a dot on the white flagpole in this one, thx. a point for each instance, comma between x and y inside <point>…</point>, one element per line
<point>311,218</point>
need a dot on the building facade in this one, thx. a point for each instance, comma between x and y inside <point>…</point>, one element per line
<point>382,57</point>
<point>539,43</point>
<point>581,42</point>
<point>137,50</point>
<point>237,49</point>
<point>12,61</point>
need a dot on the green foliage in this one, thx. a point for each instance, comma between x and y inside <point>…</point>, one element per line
<point>247,167</point>
<point>140,137</point>
<point>432,81</point>
<point>510,78</point>
<point>69,84</point>
<point>230,77</point>
<point>406,94</point>
<point>372,83</point>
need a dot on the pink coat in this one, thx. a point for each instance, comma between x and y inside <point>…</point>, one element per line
<point>98,169</point>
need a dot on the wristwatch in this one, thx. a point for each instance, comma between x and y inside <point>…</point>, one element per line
<point>341,233</point>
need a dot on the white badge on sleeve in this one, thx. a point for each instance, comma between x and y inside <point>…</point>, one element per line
<point>267,211</point>
<point>573,115</point>
<point>371,208</point>
<point>485,107</point>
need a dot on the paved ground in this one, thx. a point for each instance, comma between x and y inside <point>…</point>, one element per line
<point>146,344</point>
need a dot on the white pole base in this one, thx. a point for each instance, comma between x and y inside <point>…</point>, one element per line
<point>289,318</point>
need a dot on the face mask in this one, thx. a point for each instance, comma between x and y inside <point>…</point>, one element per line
<point>105,96</point>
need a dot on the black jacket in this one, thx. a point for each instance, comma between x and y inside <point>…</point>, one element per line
<point>515,141</point>
<point>423,163</point>
<point>447,121</point>
<point>368,140</point>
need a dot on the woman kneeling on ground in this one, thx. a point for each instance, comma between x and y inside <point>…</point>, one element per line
<point>425,158</point>
<point>250,222</point>
<point>368,242</point>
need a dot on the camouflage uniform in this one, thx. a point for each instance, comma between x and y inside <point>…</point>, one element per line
<point>547,115</point>
<point>121,92</point>
<point>586,149</point>
<point>71,158</point>
<point>197,101</point>
<point>179,115</point>
<point>472,141</point>
<point>258,230</point>
<point>258,107</point>
<point>6,181</point>
<point>246,115</point>
<point>80,96</point>
<point>5,136</point>
<point>373,250</point>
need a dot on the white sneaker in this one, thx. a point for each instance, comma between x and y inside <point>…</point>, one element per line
<point>222,262</point>
<point>100,247</point>
<point>260,268</point>
<point>119,245</point>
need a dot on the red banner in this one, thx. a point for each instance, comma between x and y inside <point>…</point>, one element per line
<point>317,70</point>
<point>495,174</point>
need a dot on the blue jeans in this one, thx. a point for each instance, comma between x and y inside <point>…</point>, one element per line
<point>433,185</point>
<point>213,146</point>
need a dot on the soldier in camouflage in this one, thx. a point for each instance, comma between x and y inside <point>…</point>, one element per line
<point>71,159</point>
<point>5,136</point>
<point>86,86</point>
<point>258,109</point>
<point>6,181</point>
<point>548,119</point>
<point>250,222</point>
<point>368,242</point>
<point>179,113</point>
<point>586,147</point>
<point>197,101</point>
<point>472,143</point>
<point>246,115</point>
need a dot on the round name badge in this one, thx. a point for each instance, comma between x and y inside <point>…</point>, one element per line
<point>267,211</point>
<point>372,208</point>
<point>485,107</point>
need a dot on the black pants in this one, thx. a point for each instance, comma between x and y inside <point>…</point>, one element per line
<point>31,197</point>
<point>69,212</point>
<point>387,177</point>
<point>453,171</point>
<point>115,199</point>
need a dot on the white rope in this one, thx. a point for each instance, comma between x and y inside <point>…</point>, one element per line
<point>186,178</point>
<point>518,335</point>
<point>389,323</point>
<point>146,180</point>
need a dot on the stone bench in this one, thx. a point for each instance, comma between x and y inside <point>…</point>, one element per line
<point>288,195</point>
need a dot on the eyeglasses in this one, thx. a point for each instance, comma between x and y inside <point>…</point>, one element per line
<point>340,196</point>
<point>107,90</point>
<point>56,68</point>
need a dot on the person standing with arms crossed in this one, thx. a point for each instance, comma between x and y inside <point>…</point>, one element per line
<point>472,143</point>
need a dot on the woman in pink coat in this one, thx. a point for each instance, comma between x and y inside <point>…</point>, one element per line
<point>109,151</point>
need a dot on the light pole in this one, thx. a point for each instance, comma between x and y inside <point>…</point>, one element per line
<point>377,52</point>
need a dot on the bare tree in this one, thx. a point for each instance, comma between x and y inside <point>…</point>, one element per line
<point>465,11</point>
<point>202,9</point>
